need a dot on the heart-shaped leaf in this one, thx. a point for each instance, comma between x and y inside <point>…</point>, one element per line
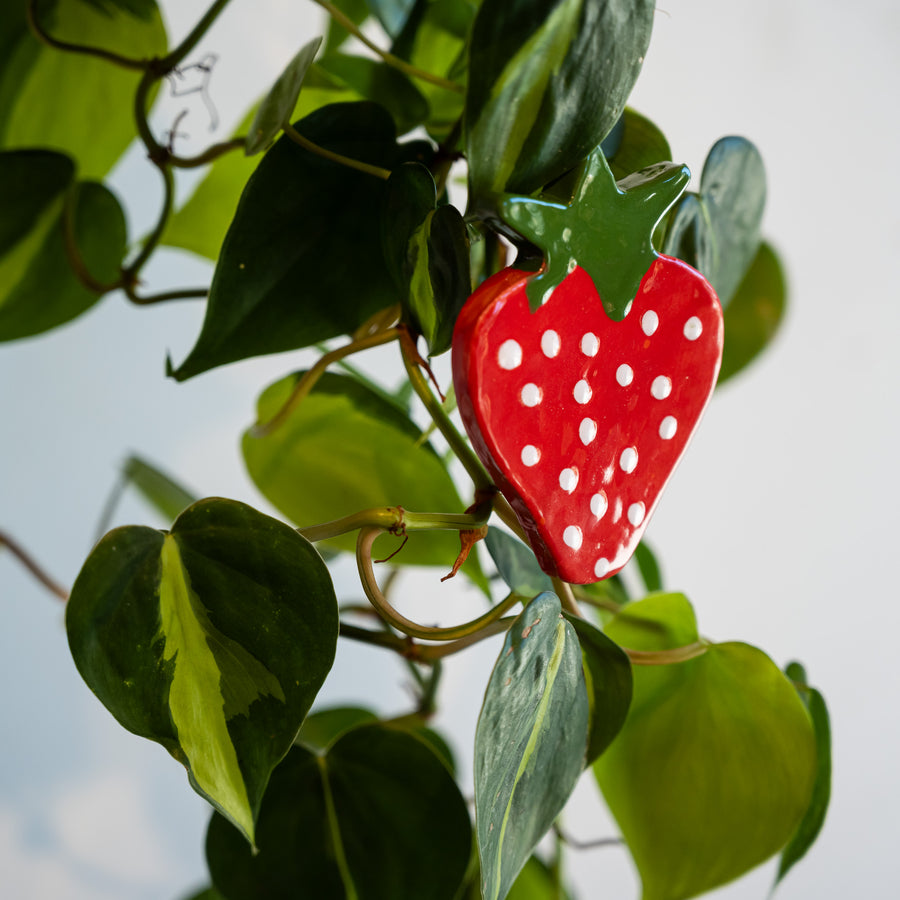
<point>814,818</point>
<point>714,768</point>
<point>755,313</point>
<point>279,103</point>
<point>376,816</point>
<point>717,231</point>
<point>38,288</point>
<point>70,102</point>
<point>530,741</point>
<point>212,639</point>
<point>346,448</point>
<point>302,261</point>
<point>547,80</point>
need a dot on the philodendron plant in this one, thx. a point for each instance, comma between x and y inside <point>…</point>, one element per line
<point>371,198</point>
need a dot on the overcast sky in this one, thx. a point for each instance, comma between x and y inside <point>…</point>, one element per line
<point>780,525</point>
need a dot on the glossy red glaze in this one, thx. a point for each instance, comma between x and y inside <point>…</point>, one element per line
<point>582,431</point>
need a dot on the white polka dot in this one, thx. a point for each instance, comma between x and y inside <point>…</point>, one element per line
<point>568,479</point>
<point>582,392</point>
<point>530,455</point>
<point>550,344</point>
<point>668,427</point>
<point>628,460</point>
<point>661,387</point>
<point>587,431</point>
<point>624,375</point>
<point>649,322</point>
<point>599,505</point>
<point>589,344</point>
<point>572,266</point>
<point>572,537</point>
<point>636,514</point>
<point>531,394</point>
<point>509,355</point>
<point>601,567</point>
<point>693,328</point>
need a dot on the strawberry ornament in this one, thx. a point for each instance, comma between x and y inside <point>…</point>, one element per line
<point>580,384</point>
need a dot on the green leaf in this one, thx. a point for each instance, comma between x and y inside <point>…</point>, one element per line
<point>212,639</point>
<point>717,231</point>
<point>537,881</point>
<point>279,103</point>
<point>302,261</point>
<point>375,817</point>
<point>77,104</point>
<point>38,289</point>
<point>607,672</point>
<point>648,566</point>
<point>435,39</point>
<point>814,818</point>
<point>755,313</point>
<point>321,729</point>
<point>516,564</point>
<point>640,144</point>
<point>144,9</point>
<point>714,767</point>
<point>157,488</point>
<point>345,449</point>
<point>391,13</point>
<point>530,741</point>
<point>547,80</point>
<point>201,223</point>
<point>377,81</point>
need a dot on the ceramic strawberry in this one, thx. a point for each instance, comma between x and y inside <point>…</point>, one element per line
<point>581,384</point>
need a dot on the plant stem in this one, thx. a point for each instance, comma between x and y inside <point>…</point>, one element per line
<point>132,270</point>
<point>339,158</point>
<point>174,57</point>
<point>19,552</point>
<point>393,519</point>
<point>163,296</point>
<point>364,543</point>
<point>45,37</point>
<point>308,381</point>
<point>566,598</point>
<point>393,61</point>
<point>73,251</point>
<point>211,153</point>
<point>464,453</point>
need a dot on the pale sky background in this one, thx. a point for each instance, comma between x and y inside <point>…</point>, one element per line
<point>780,524</point>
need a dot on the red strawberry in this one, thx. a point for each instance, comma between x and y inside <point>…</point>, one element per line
<point>581,419</point>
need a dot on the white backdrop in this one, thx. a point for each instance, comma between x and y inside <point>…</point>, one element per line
<point>779,524</point>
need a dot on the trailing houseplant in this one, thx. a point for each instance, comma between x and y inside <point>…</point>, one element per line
<point>346,232</point>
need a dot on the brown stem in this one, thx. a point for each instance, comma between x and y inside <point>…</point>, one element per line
<point>19,552</point>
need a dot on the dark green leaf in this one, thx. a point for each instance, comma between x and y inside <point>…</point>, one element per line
<point>814,818</point>
<point>30,182</point>
<point>717,231</point>
<point>410,194</point>
<point>212,639</point>
<point>38,289</point>
<point>648,567</point>
<point>321,729</point>
<point>157,488</point>
<point>607,672</point>
<point>302,261</point>
<point>345,449</point>
<point>516,564</point>
<point>755,312</point>
<point>530,741</point>
<point>714,768</point>
<point>547,80</point>
<point>279,103</point>
<point>376,817</point>
<point>640,144</point>
<point>377,81</point>
<point>144,9</point>
<point>74,103</point>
